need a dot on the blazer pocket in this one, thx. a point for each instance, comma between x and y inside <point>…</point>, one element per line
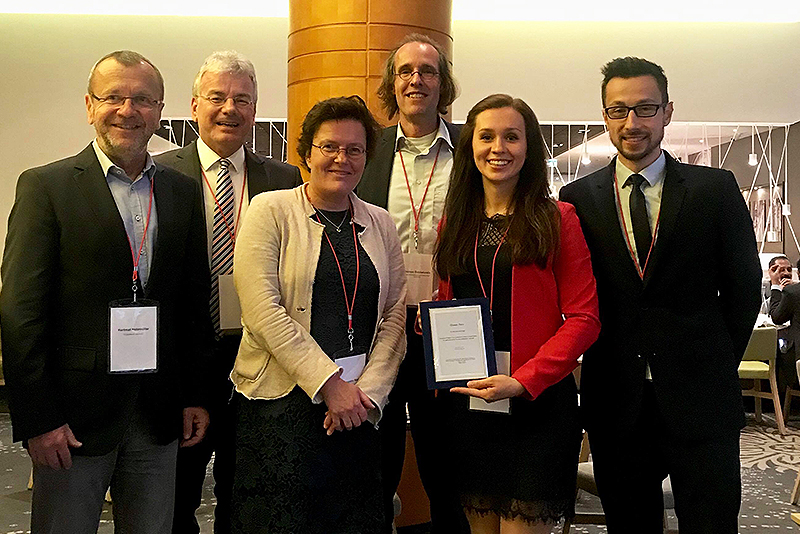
<point>78,359</point>
<point>251,361</point>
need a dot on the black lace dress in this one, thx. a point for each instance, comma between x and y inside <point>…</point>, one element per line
<point>290,476</point>
<point>522,464</point>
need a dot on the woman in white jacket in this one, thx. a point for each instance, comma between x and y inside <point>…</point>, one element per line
<point>321,282</point>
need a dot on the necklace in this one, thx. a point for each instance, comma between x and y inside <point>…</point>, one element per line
<point>337,226</point>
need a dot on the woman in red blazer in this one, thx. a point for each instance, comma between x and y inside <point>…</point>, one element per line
<point>506,239</point>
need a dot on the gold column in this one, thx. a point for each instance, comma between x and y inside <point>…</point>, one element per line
<point>339,48</point>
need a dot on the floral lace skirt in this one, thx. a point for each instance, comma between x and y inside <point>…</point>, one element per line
<point>517,465</point>
<point>291,477</point>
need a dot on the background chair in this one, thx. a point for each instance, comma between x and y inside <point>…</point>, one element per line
<point>759,363</point>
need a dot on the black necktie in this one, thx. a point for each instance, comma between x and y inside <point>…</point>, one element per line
<point>639,219</point>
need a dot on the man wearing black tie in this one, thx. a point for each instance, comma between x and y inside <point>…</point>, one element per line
<point>659,388</point>
<point>224,106</point>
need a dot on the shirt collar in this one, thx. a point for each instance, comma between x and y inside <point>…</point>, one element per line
<point>653,173</point>
<point>108,166</point>
<point>208,157</point>
<point>442,133</point>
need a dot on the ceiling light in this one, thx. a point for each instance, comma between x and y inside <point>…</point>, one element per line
<point>752,159</point>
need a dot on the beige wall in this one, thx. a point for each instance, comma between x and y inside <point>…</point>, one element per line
<point>717,72</point>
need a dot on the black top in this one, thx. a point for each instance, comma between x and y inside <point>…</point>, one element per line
<point>328,307</point>
<point>467,285</point>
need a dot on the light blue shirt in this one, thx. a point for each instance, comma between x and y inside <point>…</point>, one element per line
<point>132,198</point>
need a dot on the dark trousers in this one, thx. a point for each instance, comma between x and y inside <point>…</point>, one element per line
<point>447,516</point>
<point>630,465</point>
<point>220,440</point>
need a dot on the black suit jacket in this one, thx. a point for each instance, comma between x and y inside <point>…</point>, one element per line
<point>690,318</point>
<point>263,174</point>
<point>66,257</point>
<point>374,184</point>
<point>785,306</point>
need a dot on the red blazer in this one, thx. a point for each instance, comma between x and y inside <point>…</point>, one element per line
<point>554,313</point>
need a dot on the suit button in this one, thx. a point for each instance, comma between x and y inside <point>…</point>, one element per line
<point>639,356</point>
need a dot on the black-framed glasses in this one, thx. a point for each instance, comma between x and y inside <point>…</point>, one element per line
<point>643,111</point>
<point>330,150</point>
<point>426,73</point>
<point>219,100</point>
<point>137,101</point>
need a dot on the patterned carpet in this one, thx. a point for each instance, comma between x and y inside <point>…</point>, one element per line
<point>769,463</point>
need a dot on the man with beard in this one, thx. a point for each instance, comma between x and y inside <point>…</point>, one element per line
<point>784,305</point>
<point>659,388</point>
<point>224,98</point>
<point>104,315</point>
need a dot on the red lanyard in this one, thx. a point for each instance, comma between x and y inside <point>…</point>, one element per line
<point>349,304</point>
<point>136,257</point>
<point>231,231</point>
<point>639,268</point>
<point>494,259</point>
<point>418,211</point>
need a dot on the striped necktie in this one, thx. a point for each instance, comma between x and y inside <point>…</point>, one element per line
<point>221,243</point>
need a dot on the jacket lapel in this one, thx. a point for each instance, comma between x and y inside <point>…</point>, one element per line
<point>92,183</point>
<point>672,197</point>
<point>164,197</point>
<point>257,178</point>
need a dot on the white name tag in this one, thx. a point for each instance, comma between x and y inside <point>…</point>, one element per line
<point>502,406</point>
<point>419,274</point>
<point>134,337</point>
<point>230,312</point>
<point>352,366</point>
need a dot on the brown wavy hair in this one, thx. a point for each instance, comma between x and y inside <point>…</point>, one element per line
<point>536,224</point>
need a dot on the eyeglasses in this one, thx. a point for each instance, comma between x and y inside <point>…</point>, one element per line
<point>426,73</point>
<point>330,150</point>
<point>219,101</point>
<point>643,111</point>
<point>137,101</point>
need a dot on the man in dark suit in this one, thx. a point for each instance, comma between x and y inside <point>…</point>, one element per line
<point>659,388</point>
<point>784,305</point>
<point>81,230</point>
<point>409,176</point>
<point>224,106</point>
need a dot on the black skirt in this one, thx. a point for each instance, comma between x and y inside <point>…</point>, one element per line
<point>291,477</point>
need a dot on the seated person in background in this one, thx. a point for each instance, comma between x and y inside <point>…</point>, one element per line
<point>784,305</point>
<point>322,285</point>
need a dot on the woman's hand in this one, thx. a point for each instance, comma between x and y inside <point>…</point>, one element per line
<point>494,388</point>
<point>347,405</point>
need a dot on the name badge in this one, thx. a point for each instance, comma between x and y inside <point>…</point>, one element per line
<point>500,406</point>
<point>230,312</point>
<point>133,337</point>
<point>419,274</point>
<point>352,366</point>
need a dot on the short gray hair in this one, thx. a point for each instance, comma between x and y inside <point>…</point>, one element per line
<point>128,58</point>
<point>226,61</point>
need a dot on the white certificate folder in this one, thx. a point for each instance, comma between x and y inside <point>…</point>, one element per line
<point>458,341</point>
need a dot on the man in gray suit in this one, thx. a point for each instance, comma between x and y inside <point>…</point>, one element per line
<point>224,98</point>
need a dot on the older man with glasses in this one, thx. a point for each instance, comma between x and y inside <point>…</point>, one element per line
<point>409,176</point>
<point>104,322</point>
<point>659,389</point>
<point>223,104</point>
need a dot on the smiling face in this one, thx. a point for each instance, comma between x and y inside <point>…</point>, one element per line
<point>499,146</point>
<point>123,131</point>
<point>416,98</point>
<point>332,179</point>
<point>224,127</point>
<point>638,140</point>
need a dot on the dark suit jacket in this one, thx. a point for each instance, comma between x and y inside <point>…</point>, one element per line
<point>374,185</point>
<point>690,318</point>
<point>263,174</point>
<point>785,306</point>
<point>66,257</point>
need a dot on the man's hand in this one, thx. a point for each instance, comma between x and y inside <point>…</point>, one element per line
<point>195,423</point>
<point>52,448</point>
<point>780,274</point>
<point>494,388</point>
<point>347,405</point>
